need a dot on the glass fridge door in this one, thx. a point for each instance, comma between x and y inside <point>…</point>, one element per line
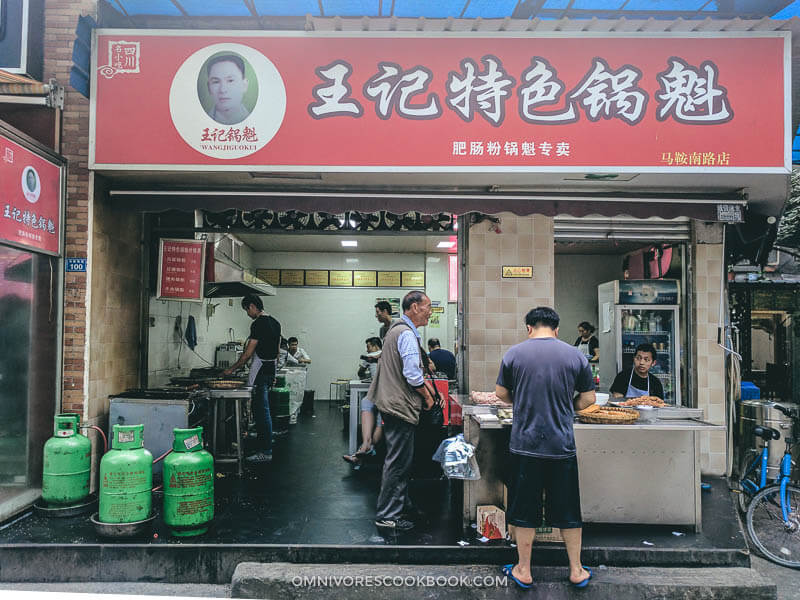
<point>656,326</point>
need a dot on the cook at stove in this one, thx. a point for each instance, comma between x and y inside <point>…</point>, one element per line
<point>263,345</point>
<point>638,381</point>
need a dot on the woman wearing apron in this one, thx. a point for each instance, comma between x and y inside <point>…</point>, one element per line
<point>638,381</point>
<point>587,342</point>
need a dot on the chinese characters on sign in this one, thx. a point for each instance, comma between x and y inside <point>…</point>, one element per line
<point>510,148</point>
<point>123,57</point>
<point>181,267</point>
<point>688,94</point>
<point>30,198</point>
<point>696,159</point>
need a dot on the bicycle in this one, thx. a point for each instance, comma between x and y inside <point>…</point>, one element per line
<point>773,515</point>
<point>754,479</point>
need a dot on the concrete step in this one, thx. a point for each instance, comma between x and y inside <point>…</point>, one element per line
<point>118,588</point>
<point>283,581</point>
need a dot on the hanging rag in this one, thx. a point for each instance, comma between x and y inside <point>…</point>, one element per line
<point>191,333</point>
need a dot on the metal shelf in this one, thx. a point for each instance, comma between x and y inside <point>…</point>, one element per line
<point>642,332</point>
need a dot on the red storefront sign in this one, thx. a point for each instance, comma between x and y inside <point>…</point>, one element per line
<point>181,265</point>
<point>188,100</point>
<point>30,199</point>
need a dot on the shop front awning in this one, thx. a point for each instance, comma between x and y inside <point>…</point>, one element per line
<point>696,206</point>
<point>19,89</point>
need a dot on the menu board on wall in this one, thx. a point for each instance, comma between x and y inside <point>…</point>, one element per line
<point>365,278</point>
<point>181,269</point>
<point>292,277</point>
<point>388,278</point>
<point>316,277</point>
<point>271,276</point>
<point>414,279</point>
<point>341,279</point>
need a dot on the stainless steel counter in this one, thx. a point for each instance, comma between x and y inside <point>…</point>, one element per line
<point>669,425</point>
<point>639,473</point>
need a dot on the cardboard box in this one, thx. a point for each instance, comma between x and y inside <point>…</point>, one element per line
<point>491,522</point>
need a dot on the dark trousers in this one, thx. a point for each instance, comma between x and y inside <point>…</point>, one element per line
<point>393,499</point>
<point>260,406</point>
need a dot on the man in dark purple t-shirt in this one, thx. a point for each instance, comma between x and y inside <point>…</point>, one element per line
<point>540,377</point>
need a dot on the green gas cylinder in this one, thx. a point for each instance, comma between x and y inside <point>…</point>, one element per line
<point>188,484</point>
<point>67,463</point>
<point>126,477</point>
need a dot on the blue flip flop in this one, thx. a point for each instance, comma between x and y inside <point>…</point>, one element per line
<point>508,570</point>
<point>585,582</point>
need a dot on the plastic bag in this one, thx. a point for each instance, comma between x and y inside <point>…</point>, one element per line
<point>457,458</point>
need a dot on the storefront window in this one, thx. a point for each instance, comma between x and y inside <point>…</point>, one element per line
<point>29,308</point>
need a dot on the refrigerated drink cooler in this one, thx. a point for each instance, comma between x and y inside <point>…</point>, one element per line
<point>633,312</point>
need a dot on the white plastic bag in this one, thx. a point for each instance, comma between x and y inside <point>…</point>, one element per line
<point>457,458</point>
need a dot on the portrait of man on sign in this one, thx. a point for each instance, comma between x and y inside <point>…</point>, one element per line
<point>31,186</point>
<point>227,87</point>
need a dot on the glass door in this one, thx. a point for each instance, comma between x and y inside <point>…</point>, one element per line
<point>29,370</point>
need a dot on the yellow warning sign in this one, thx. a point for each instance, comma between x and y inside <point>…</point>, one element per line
<point>517,272</point>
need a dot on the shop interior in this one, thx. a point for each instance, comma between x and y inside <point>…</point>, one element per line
<point>332,317</point>
<point>322,286</point>
<point>331,322</point>
<point>584,261</point>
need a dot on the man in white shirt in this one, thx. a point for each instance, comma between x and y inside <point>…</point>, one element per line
<point>296,357</point>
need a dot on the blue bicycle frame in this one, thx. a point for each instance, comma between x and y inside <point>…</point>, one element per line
<point>749,484</point>
<point>786,471</point>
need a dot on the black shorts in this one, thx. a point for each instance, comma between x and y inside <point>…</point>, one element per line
<point>557,478</point>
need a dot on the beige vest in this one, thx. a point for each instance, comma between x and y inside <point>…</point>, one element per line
<point>390,391</point>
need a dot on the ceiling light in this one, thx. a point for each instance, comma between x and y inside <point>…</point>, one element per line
<point>434,259</point>
<point>351,260</point>
<point>445,244</point>
<point>349,243</point>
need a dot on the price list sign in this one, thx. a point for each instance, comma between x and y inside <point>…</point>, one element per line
<point>181,269</point>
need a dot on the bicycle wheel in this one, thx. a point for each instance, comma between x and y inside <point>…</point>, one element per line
<point>775,540</point>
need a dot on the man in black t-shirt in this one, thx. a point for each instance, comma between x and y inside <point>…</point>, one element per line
<point>262,346</point>
<point>444,360</point>
<point>638,381</point>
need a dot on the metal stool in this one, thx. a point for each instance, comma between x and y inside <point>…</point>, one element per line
<point>238,410</point>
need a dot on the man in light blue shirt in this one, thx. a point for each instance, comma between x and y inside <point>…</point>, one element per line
<point>408,345</point>
<point>399,391</point>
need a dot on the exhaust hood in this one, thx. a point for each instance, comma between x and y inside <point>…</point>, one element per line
<point>232,280</point>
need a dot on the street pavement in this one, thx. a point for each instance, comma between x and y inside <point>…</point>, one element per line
<point>787,580</point>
